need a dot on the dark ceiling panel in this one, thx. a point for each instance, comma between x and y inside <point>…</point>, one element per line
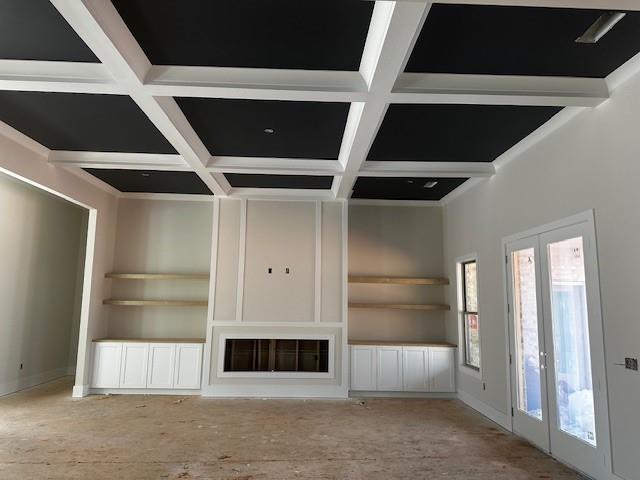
<point>396,188</point>
<point>309,35</point>
<point>499,40</point>
<point>279,181</point>
<point>237,127</point>
<point>71,121</point>
<point>34,30</point>
<point>454,133</point>
<point>152,181</point>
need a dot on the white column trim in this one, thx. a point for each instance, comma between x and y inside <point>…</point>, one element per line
<point>213,277</point>
<point>242,250</point>
<point>318,263</point>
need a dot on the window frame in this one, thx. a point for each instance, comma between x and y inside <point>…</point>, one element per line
<point>462,316</point>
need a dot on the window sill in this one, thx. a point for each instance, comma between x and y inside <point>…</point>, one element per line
<point>472,372</point>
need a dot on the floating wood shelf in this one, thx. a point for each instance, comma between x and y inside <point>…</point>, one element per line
<point>156,303</point>
<point>401,306</point>
<point>398,280</point>
<point>157,276</point>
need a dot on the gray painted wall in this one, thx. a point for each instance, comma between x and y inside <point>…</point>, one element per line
<point>41,265</point>
<point>592,162</point>
<point>396,241</point>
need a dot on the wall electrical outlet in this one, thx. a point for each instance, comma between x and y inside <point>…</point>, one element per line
<point>631,363</point>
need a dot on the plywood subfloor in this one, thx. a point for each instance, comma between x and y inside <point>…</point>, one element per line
<point>46,434</point>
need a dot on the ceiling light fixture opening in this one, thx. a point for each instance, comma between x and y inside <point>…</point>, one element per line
<point>600,27</point>
<point>269,131</point>
<point>430,184</point>
<point>145,174</point>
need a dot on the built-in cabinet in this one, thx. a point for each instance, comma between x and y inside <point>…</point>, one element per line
<point>403,368</point>
<point>146,365</point>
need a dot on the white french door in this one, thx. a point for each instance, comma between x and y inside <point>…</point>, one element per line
<point>556,345</point>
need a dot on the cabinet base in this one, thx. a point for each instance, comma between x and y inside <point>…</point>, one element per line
<point>365,394</point>
<point>142,391</point>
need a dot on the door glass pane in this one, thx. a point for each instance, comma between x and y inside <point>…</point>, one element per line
<point>525,314</point>
<point>574,387</point>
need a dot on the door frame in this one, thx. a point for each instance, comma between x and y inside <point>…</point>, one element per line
<point>587,218</point>
<point>543,440</point>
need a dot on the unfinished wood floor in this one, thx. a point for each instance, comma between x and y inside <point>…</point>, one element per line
<point>46,434</point>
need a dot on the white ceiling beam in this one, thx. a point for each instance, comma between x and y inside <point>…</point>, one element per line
<point>303,85</point>
<point>427,169</point>
<point>588,4</point>
<point>392,33</point>
<point>100,26</point>
<point>281,193</point>
<point>118,160</point>
<point>41,76</point>
<point>256,83</point>
<point>274,166</point>
<point>499,90</point>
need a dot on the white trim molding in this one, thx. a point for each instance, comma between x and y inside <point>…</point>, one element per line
<point>491,413</point>
<point>330,374</point>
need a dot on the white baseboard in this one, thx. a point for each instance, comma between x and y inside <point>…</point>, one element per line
<point>141,391</point>
<point>374,394</point>
<point>31,381</point>
<point>491,413</point>
<point>275,391</point>
<point>80,391</point>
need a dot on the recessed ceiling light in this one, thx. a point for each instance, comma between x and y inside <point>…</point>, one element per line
<point>269,131</point>
<point>409,181</point>
<point>145,174</point>
<point>430,184</point>
<point>600,27</point>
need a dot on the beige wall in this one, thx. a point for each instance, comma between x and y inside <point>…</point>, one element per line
<point>22,158</point>
<point>158,236</point>
<point>592,162</point>
<point>396,241</point>
<point>41,255</point>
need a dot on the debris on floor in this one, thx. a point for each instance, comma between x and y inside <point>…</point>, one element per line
<point>179,401</point>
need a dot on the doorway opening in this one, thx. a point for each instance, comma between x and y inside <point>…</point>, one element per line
<point>43,254</point>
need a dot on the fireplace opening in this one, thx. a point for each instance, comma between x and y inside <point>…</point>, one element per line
<point>276,355</point>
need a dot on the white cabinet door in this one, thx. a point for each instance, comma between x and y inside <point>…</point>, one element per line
<point>161,363</point>
<point>441,369</point>
<point>134,365</point>
<point>390,369</point>
<point>188,361</point>
<point>107,357</point>
<point>415,369</point>
<point>363,368</point>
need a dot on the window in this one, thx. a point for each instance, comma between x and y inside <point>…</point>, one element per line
<point>469,311</point>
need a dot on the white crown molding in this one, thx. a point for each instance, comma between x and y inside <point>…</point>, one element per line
<point>394,203</point>
<point>179,197</point>
<point>20,138</point>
